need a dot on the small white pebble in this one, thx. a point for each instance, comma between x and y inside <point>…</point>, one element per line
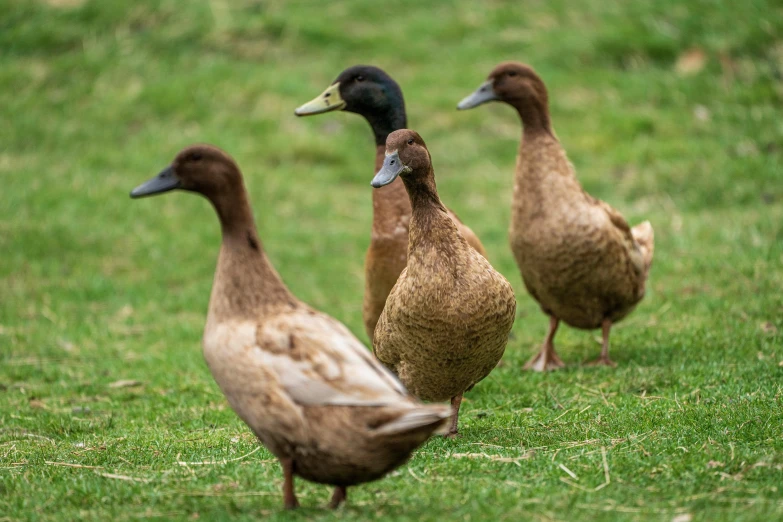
<point>701,113</point>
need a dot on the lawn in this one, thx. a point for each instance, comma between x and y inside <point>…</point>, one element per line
<point>670,111</point>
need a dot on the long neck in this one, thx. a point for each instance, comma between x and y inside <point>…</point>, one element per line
<point>534,113</point>
<point>430,223</point>
<point>544,176</point>
<point>246,284</point>
<point>390,204</point>
<point>384,122</point>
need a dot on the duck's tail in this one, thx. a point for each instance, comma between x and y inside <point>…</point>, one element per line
<point>644,236</point>
<point>427,417</point>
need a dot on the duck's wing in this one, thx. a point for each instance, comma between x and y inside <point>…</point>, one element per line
<point>318,361</point>
<point>617,219</point>
<point>635,239</point>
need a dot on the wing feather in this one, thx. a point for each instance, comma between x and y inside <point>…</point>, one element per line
<point>318,361</point>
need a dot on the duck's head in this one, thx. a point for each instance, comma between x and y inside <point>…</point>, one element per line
<point>362,89</point>
<point>367,91</point>
<point>512,82</point>
<point>203,169</point>
<point>406,156</point>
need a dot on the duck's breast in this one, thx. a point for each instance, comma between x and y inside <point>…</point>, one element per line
<point>444,330</point>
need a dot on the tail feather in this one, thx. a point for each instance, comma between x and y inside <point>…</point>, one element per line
<point>434,415</point>
<point>645,237</point>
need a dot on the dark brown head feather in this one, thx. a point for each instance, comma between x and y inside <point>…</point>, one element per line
<point>520,86</point>
<point>411,149</point>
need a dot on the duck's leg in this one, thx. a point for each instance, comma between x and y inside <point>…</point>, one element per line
<point>455,403</point>
<point>339,496</point>
<point>546,358</point>
<point>604,360</point>
<point>289,497</point>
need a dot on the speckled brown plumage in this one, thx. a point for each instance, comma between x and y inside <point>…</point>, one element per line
<point>307,388</point>
<point>446,321</point>
<point>387,254</point>
<point>370,92</point>
<point>578,257</point>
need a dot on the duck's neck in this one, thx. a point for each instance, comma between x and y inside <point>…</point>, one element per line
<point>384,122</point>
<point>430,223</point>
<point>390,204</point>
<point>544,176</point>
<point>534,113</point>
<point>246,284</point>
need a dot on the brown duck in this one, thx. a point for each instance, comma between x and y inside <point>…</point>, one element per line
<point>307,388</point>
<point>447,320</point>
<point>370,92</point>
<point>578,257</point>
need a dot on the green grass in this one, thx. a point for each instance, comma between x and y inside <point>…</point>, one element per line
<point>96,97</point>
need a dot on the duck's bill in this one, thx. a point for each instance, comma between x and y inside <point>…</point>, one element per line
<point>163,182</point>
<point>483,94</point>
<point>329,100</point>
<point>392,167</point>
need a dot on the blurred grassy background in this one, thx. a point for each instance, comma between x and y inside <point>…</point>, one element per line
<point>669,111</point>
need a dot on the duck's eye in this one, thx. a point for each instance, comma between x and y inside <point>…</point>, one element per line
<point>360,78</point>
<point>196,156</point>
<point>410,141</point>
<point>512,73</point>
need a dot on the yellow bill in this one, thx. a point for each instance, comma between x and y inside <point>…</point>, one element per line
<point>329,100</point>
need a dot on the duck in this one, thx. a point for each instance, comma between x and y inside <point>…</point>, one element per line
<point>578,257</point>
<point>370,92</point>
<point>448,318</point>
<point>314,396</point>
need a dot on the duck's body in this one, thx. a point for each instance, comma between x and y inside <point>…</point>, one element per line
<point>378,98</point>
<point>307,388</point>
<point>577,255</point>
<point>446,321</point>
<point>439,331</point>
<point>292,378</point>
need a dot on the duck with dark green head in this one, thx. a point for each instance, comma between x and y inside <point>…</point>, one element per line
<point>373,94</point>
